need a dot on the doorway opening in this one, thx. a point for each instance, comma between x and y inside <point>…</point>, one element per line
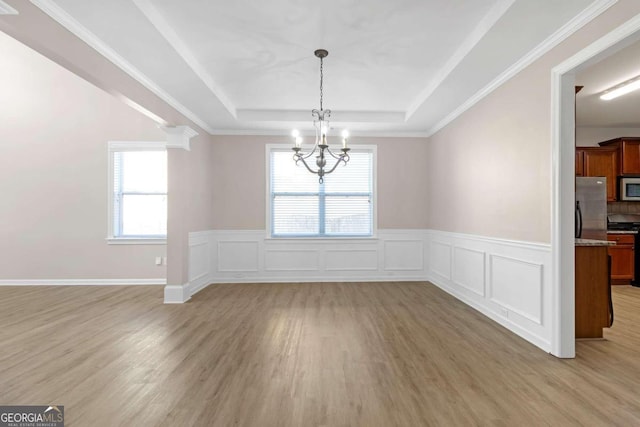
<point>563,176</point>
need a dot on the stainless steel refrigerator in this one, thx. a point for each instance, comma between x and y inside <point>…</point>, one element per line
<point>591,208</point>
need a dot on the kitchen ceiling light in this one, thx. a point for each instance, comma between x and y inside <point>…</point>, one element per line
<point>321,125</point>
<point>622,89</point>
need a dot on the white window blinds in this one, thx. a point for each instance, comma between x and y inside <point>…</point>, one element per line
<point>139,194</point>
<point>341,206</point>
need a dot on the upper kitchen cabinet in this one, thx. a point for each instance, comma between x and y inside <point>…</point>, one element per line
<point>597,161</point>
<point>629,154</point>
<point>579,162</point>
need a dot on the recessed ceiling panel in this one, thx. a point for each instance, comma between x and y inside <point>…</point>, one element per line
<point>381,52</point>
<point>394,67</point>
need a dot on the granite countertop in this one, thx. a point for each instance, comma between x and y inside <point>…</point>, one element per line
<point>590,242</point>
<point>622,231</point>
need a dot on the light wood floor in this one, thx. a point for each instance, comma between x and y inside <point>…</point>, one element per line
<point>361,354</point>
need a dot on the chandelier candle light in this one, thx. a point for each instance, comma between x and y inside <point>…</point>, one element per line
<point>321,124</point>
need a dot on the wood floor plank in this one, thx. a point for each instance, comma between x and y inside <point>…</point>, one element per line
<point>320,354</point>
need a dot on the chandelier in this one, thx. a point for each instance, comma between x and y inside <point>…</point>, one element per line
<point>321,148</point>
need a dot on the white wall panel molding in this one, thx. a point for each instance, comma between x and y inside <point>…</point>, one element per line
<point>248,256</point>
<point>237,256</point>
<point>440,259</point>
<point>508,281</point>
<point>517,286</point>
<point>351,260</point>
<point>292,260</point>
<point>403,255</point>
<point>468,267</point>
<point>199,262</point>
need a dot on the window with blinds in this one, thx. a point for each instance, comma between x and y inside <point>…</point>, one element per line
<point>342,206</point>
<point>138,196</point>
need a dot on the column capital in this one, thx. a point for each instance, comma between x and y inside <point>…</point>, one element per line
<point>179,136</point>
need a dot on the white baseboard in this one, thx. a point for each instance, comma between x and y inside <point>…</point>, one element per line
<point>84,282</point>
<point>176,294</point>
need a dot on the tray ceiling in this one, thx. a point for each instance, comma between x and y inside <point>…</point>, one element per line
<point>402,67</point>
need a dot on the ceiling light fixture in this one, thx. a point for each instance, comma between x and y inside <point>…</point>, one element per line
<point>321,124</point>
<point>621,89</point>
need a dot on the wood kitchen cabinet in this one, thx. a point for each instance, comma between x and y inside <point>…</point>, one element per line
<point>599,161</point>
<point>622,258</point>
<point>628,154</point>
<point>579,162</point>
<point>591,291</point>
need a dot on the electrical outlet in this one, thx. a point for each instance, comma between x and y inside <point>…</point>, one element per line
<point>505,312</point>
<point>164,260</point>
<point>158,260</point>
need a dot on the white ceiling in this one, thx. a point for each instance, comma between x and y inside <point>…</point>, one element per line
<point>621,112</point>
<point>402,67</point>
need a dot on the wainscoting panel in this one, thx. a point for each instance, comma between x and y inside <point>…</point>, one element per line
<point>352,260</point>
<point>517,286</point>
<point>199,259</point>
<point>237,256</point>
<point>440,261</point>
<point>469,269</point>
<point>250,256</point>
<point>291,260</point>
<point>404,255</point>
<point>507,281</point>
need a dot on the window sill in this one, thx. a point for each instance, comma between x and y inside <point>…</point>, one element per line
<point>136,241</point>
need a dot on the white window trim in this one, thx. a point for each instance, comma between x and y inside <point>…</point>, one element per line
<point>374,197</point>
<point>117,146</point>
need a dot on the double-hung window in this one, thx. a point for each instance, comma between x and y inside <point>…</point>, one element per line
<point>341,206</point>
<point>137,192</point>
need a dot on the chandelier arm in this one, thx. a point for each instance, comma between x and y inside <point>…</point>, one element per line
<point>306,156</point>
<point>299,158</point>
<point>340,159</point>
<point>339,156</point>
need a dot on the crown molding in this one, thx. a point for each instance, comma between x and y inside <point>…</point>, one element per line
<point>579,21</point>
<point>5,9</point>
<point>487,22</point>
<point>167,32</point>
<point>179,136</point>
<point>337,116</point>
<point>286,134</point>
<point>67,21</point>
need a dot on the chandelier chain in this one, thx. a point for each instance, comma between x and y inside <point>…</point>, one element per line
<point>321,79</point>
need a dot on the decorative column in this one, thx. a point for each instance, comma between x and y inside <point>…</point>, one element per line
<point>177,288</point>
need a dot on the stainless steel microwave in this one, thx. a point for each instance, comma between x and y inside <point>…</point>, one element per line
<point>630,188</point>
